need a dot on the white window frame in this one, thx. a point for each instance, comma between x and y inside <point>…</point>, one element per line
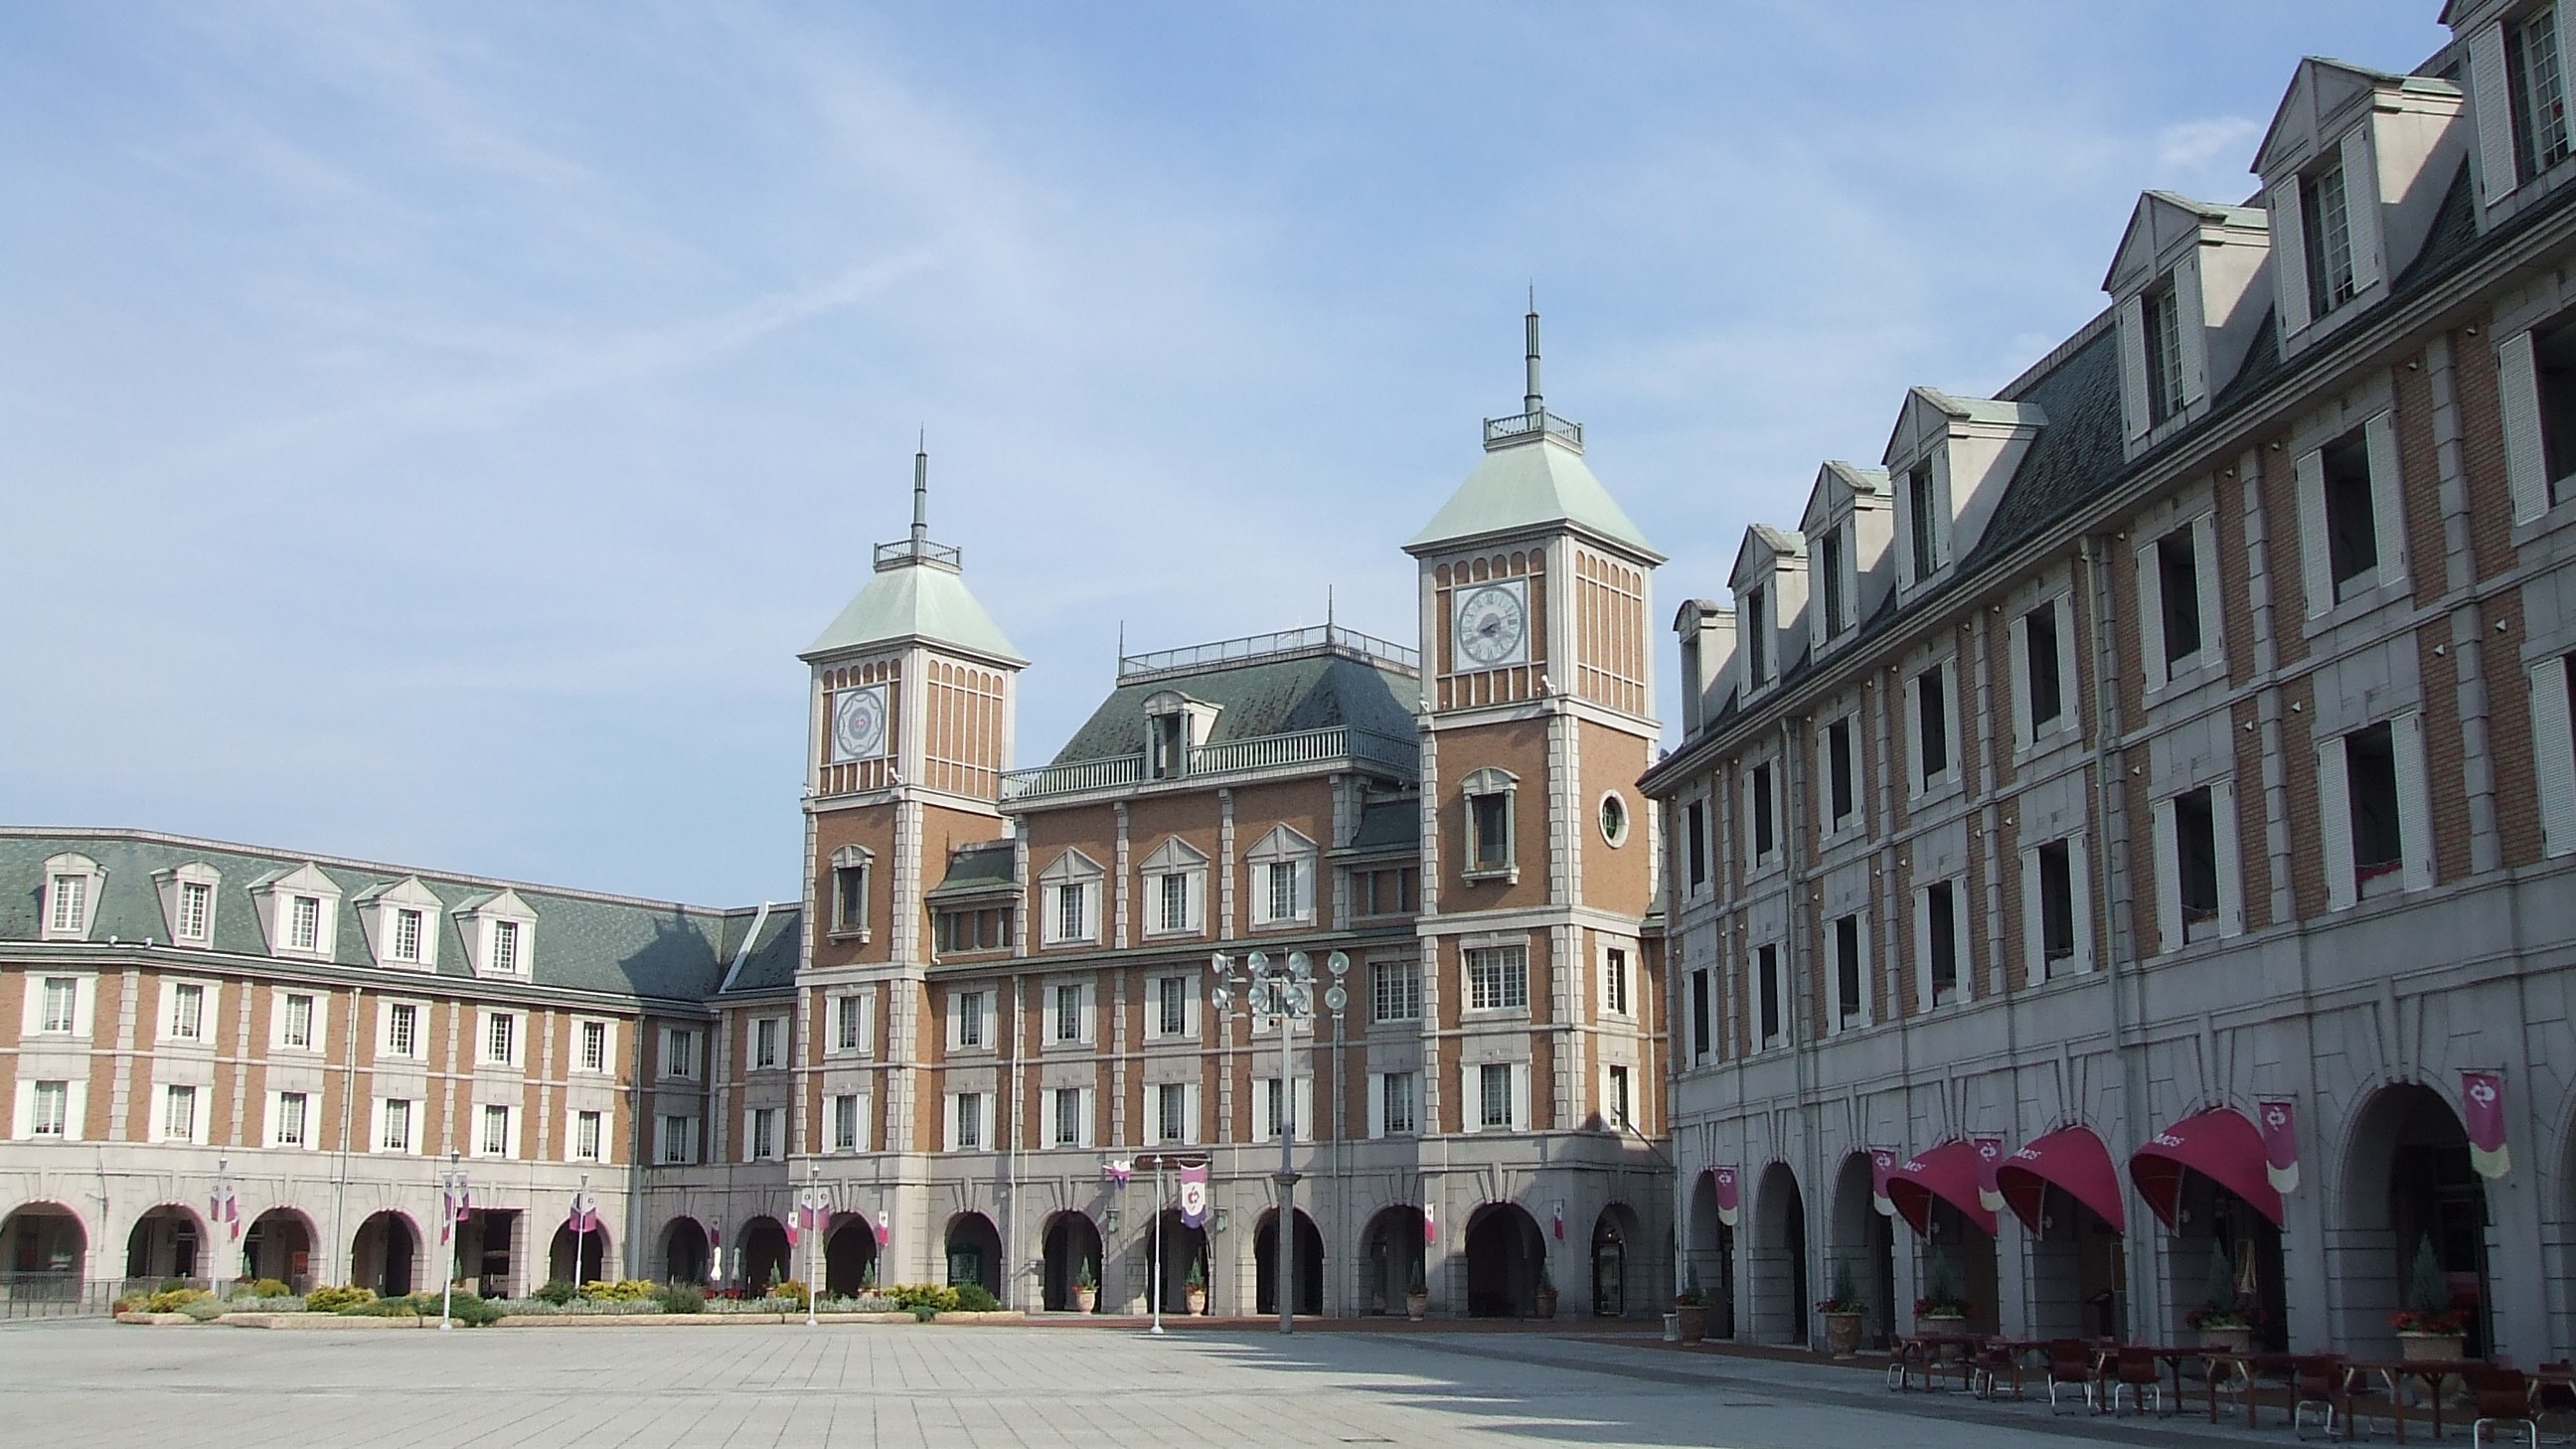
<point>1921,784</point>
<point>2029,736</point>
<point>2553,750</point>
<point>1282,850</point>
<point>1083,1104</point>
<point>176,998</point>
<point>2173,931</point>
<point>974,1014</point>
<point>1482,784</point>
<point>84,1003</point>
<point>2036,966</point>
<point>491,1024</point>
<point>1866,1015</point>
<point>1965,990</point>
<point>853,1024</point>
<point>382,1119</point>
<point>1385,1086</point>
<point>959,1113</point>
<point>1155,1135</point>
<point>73,884</point>
<point>1072,870</point>
<point>2414,811</point>
<point>281,1037</point>
<point>1265,1109</point>
<point>596,1150</point>
<point>678,1041</point>
<point>1175,861</point>
<point>304,1137</point>
<point>582,1029</point>
<point>1471,1097</point>
<point>1189,996</point>
<point>72,1096</point>
<point>848,1122</point>
<point>850,858</point>
<point>1936,467</point>
<point>1406,978</point>
<point>386,1011</point>
<point>764,1134</point>
<point>483,1120</point>
<point>1053,1026</point>
<point>480,922</point>
<point>1618,979</point>
<point>1512,959</point>
<point>1836,827</point>
<point>1762,773</point>
<point>2387,576</point>
<point>1777,973</point>
<point>165,1104</point>
<point>2211,658</point>
<point>770,1043</point>
<point>675,1139</point>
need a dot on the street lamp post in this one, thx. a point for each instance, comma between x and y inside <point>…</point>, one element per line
<point>227,1211</point>
<point>1283,990</point>
<point>809,1208</point>
<point>451,1207</point>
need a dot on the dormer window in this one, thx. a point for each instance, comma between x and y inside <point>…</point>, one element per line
<point>1830,549</point>
<point>299,911</point>
<point>401,923</point>
<point>500,935</point>
<point>188,902</point>
<point>407,932</point>
<point>2537,81</point>
<point>2326,220</point>
<point>71,896</point>
<point>2161,314</point>
<point>1175,725</point>
<point>1755,610</point>
<point>1925,510</point>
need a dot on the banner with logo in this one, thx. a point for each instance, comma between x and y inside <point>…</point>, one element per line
<point>1194,1196</point>
<point>1882,1162</point>
<point>455,1205</point>
<point>2279,1121</point>
<point>585,1215</point>
<point>1990,1155</point>
<point>223,1207</point>
<point>2482,1103</point>
<point>1723,1179</point>
<point>1430,1226</point>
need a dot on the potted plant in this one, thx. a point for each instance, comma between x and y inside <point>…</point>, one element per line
<point>2428,1327</point>
<point>1086,1288</point>
<point>1943,1308</point>
<point>1690,1306</point>
<point>1194,1289</point>
<point>1417,1294</point>
<point>1843,1313</point>
<point>1546,1298</point>
<point>2221,1322</point>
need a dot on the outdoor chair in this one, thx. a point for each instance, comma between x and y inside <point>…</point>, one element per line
<point>2070,1367</point>
<point>2134,1371</point>
<point>2503,1397</point>
<point>1904,1359</point>
<point>2555,1396</point>
<point>2319,1387</point>
<point>1991,1367</point>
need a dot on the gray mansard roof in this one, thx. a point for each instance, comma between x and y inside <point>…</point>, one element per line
<point>1277,697</point>
<point>583,941</point>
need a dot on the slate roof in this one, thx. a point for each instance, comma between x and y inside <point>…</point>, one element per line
<point>1388,825</point>
<point>775,949</point>
<point>1257,698</point>
<point>978,869</point>
<point>583,941</point>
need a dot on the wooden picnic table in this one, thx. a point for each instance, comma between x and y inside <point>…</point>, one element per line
<point>2395,1371</point>
<point>2244,1365</point>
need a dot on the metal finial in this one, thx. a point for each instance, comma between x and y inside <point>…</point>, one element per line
<point>1531,402</point>
<point>921,492</point>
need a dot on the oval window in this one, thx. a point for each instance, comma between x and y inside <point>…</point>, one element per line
<point>1614,819</point>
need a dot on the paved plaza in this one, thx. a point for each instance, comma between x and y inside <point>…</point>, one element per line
<point>1026,1387</point>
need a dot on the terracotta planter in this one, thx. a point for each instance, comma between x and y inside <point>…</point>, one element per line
<point>1842,1334</point>
<point>1417,1306</point>
<point>1953,1323</point>
<point>1694,1320</point>
<point>1086,1300</point>
<point>1196,1299</point>
<point>1547,1303</point>
<point>2233,1340</point>
<point>2416,1347</point>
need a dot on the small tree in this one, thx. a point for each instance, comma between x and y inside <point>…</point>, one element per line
<point>1082,1275</point>
<point>1414,1282</point>
<point>1846,1292</point>
<point>2218,1307</point>
<point>2428,1296</point>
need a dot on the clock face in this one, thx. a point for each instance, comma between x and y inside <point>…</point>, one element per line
<point>1493,625</point>
<point>859,724</point>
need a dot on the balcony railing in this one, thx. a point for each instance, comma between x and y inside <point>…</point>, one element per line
<point>1269,752</point>
<point>892,555</point>
<point>1521,425</point>
<point>1290,643</point>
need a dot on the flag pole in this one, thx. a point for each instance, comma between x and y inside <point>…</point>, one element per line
<point>1158,1247</point>
<point>447,1231</point>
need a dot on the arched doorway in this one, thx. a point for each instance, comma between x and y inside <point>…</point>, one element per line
<point>1614,1234</point>
<point>1506,1260</point>
<point>1779,1266</point>
<point>975,1252</point>
<point>279,1245</point>
<point>167,1243</point>
<point>1862,1242</point>
<point>1072,1249</point>
<point>1184,1248</point>
<point>44,1249</point>
<point>1391,1259</point>
<point>1265,1265</point>
<point>849,1256</point>
<point>1965,1252</point>
<point>381,1255</point>
<point>765,1255</point>
<point>592,1247</point>
<point>2409,1188</point>
<point>1708,1262</point>
<point>685,1255</point>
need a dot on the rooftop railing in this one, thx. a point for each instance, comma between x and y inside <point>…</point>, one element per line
<point>893,555</point>
<point>1234,757</point>
<point>1521,425</point>
<point>1254,647</point>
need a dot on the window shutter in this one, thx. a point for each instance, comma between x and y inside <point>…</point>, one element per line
<point>2526,461</point>
<point>2361,202</point>
<point>1376,1105</point>
<point>2289,258</point>
<point>2034,930</point>
<point>2022,728</point>
<point>2316,569</point>
<point>2387,497</point>
<point>992,1016</point>
<point>2151,617</point>
<point>2414,812</point>
<point>1088,1132</point>
<point>1196,905</point>
<point>2079,894</point>
<point>2192,330</point>
<point>2554,755</point>
<point>2133,367</point>
<point>949,1134</point>
<point>1305,887</point>
<point>2497,174</point>
<point>1306,1108</point>
<point>1950,723</point>
<point>1922,950</point>
<point>2334,824</point>
<point>2207,566</point>
<point>1520,1097</point>
<point>2070,702</point>
<point>1471,1102</point>
<point>2169,931</point>
<point>2225,825</point>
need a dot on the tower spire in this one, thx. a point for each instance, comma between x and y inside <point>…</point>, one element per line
<point>1531,403</point>
<point>921,491</point>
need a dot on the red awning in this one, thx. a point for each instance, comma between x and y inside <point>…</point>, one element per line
<point>1948,1172</point>
<point>2220,1145</point>
<point>2071,1158</point>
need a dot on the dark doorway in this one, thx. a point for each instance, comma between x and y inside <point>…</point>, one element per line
<point>1612,1232</point>
<point>975,1252</point>
<point>1506,1260</point>
<point>764,1255</point>
<point>1072,1251</point>
<point>165,1244</point>
<point>381,1256</point>
<point>279,1246</point>
<point>684,1252</point>
<point>1184,1248</point>
<point>849,1256</point>
<point>592,1247</point>
<point>1391,1259</point>
<point>1310,1265</point>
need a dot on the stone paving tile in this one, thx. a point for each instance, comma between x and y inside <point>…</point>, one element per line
<point>908,1387</point>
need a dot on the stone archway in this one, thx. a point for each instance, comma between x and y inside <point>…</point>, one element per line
<point>279,1246</point>
<point>1506,1261</point>
<point>1072,1247</point>
<point>44,1249</point>
<point>168,1244</point>
<point>1862,1240</point>
<point>766,1258</point>
<point>1391,1261</point>
<point>1186,1248</point>
<point>849,1256</point>
<point>975,1252</point>
<point>1708,1261</point>
<point>1779,1261</point>
<point>2407,1186</point>
<point>1310,1265</point>
<point>384,1254</point>
<point>686,1254</point>
<point>1617,1240</point>
<point>593,1256</point>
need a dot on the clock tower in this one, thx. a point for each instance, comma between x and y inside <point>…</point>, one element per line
<point>1538,854</point>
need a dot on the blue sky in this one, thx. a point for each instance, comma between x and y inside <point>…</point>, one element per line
<point>429,433</point>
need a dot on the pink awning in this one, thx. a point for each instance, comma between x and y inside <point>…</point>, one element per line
<point>2220,1145</point>
<point>1948,1172</point>
<point>2072,1158</point>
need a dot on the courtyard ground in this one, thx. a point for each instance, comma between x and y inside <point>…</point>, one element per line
<point>90,1383</point>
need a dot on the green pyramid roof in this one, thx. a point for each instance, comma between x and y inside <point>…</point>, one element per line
<point>1530,483</point>
<point>917,599</point>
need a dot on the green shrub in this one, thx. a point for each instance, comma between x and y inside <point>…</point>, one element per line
<point>923,1313</point>
<point>972,1298</point>
<point>918,1296</point>
<point>374,1307</point>
<point>176,1300</point>
<point>127,1303</point>
<point>204,1310</point>
<point>788,1290</point>
<point>624,1290</point>
<point>680,1298</point>
<point>329,1299</point>
<point>474,1311</point>
<point>557,1291</point>
<point>261,1288</point>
